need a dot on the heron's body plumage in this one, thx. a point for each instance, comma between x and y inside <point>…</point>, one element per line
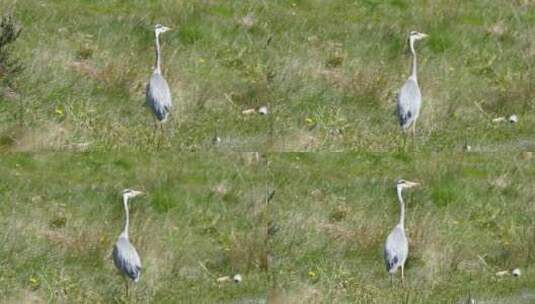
<point>396,249</point>
<point>159,96</point>
<point>126,258</point>
<point>409,103</point>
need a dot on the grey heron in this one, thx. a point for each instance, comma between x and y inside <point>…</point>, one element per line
<point>158,93</point>
<point>397,245</point>
<point>409,97</point>
<point>124,254</point>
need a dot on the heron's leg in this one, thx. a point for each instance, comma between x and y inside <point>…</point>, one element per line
<point>156,126</point>
<point>159,135</point>
<point>403,141</point>
<point>392,280</point>
<point>402,276</point>
<point>164,131</point>
<point>126,287</point>
<point>155,135</point>
<point>413,133</point>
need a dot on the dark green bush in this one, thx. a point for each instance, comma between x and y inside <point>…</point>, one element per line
<point>9,32</point>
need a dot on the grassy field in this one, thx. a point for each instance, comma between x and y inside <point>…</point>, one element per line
<point>472,217</point>
<point>203,217</point>
<point>74,133</point>
<point>319,240</point>
<point>328,71</point>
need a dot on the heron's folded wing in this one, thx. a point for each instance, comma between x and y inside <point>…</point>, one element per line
<point>127,260</point>
<point>159,90</point>
<point>391,259</point>
<point>408,102</point>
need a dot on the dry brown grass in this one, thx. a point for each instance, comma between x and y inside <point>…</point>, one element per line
<point>52,136</point>
<point>303,294</point>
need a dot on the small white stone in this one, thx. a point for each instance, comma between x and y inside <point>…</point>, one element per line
<point>223,279</point>
<point>502,273</point>
<point>248,111</point>
<point>516,272</point>
<point>216,140</point>
<point>263,110</point>
<point>248,21</point>
<point>236,278</point>
<point>513,118</point>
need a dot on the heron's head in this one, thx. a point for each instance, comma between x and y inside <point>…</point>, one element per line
<point>158,29</point>
<point>405,184</point>
<point>414,35</point>
<point>129,193</point>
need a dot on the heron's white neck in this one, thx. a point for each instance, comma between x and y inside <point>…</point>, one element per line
<point>157,68</point>
<point>125,230</point>
<point>402,208</point>
<point>413,66</point>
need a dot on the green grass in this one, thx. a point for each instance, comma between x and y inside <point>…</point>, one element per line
<point>328,71</point>
<point>203,217</point>
<point>328,76</point>
<point>471,217</point>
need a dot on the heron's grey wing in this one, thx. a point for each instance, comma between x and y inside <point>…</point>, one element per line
<point>159,96</point>
<point>396,249</point>
<point>126,259</point>
<point>391,260</point>
<point>409,100</point>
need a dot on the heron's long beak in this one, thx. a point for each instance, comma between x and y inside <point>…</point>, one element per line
<point>136,193</point>
<point>424,35</point>
<point>411,184</point>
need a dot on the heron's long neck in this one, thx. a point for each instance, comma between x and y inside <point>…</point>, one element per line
<point>158,60</point>
<point>125,202</point>
<point>413,66</point>
<point>402,208</point>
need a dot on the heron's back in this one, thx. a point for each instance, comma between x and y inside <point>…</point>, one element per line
<point>396,249</point>
<point>409,102</point>
<point>159,96</point>
<point>126,258</point>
